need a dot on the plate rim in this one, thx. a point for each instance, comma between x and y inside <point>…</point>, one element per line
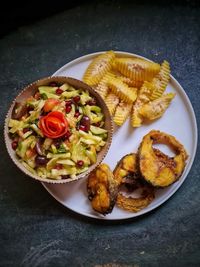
<point>189,166</point>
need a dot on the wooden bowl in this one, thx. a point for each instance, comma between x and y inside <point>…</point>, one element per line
<point>30,90</point>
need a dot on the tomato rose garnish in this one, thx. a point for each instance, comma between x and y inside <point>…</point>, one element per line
<point>54,124</point>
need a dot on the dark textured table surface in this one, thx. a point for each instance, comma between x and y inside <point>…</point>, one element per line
<point>35,230</point>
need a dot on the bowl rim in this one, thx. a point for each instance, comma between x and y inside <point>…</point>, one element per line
<point>107,114</point>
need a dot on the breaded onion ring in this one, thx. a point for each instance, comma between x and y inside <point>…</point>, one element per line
<point>136,204</point>
<point>127,173</point>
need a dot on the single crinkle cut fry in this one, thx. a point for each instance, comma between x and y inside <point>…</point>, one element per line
<point>161,80</point>
<point>143,97</point>
<point>112,101</point>
<point>137,69</point>
<point>130,82</point>
<point>122,112</point>
<point>122,90</point>
<point>145,92</point>
<point>102,87</point>
<point>98,68</point>
<point>136,118</point>
<point>156,108</point>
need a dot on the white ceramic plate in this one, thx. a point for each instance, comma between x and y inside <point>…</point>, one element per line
<point>179,120</point>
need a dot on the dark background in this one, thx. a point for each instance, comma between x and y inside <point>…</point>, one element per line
<point>18,14</point>
<point>35,230</point>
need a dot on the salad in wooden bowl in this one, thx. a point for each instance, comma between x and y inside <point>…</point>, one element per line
<point>58,129</point>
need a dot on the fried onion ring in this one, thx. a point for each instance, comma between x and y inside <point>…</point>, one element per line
<point>136,204</point>
<point>127,173</point>
<point>157,168</point>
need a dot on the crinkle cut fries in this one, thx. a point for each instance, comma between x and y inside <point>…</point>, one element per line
<point>130,86</point>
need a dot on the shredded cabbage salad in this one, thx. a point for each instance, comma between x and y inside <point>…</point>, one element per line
<point>58,132</point>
